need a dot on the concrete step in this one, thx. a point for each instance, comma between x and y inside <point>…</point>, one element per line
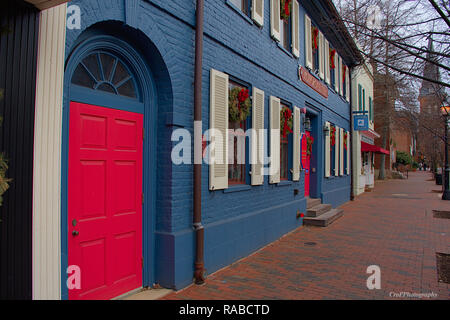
<point>318,210</point>
<point>325,219</point>
<point>310,202</point>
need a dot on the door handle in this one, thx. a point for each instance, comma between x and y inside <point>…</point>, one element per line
<point>75,233</point>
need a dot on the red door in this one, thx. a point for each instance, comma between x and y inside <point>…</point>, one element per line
<point>306,161</point>
<point>105,200</point>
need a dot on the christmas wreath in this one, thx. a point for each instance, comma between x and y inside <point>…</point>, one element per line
<point>315,32</point>
<point>309,143</point>
<point>285,9</point>
<point>345,140</point>
<point>239,104</point>
<point>286,120</point>
<point>332,54</point>
<point>333,136</point>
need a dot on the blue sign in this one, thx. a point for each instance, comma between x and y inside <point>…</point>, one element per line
<point>361,122</point>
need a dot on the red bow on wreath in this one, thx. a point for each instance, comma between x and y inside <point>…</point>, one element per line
<point>345,140</point>
<point>286,7</point>
<point>287,114</point>
<point>332,54</point>
<point>315,35</point>
<point>243,95</point>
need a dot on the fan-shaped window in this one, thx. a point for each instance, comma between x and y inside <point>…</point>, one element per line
<point>105,72</point>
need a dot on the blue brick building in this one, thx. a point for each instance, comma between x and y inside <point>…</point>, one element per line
<point>137,57</point>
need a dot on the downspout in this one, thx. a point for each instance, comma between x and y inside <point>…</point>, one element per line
<point>198,159</point>
<point>352,146</point>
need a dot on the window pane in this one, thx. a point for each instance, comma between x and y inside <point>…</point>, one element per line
<point>107,65</point>
<point>106,87</point>
<point>82,78</point>
<point>120,74</point>
<point>127,89</point>
<point>91,64</point>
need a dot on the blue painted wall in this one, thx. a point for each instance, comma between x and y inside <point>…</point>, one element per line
<point>236,223</point>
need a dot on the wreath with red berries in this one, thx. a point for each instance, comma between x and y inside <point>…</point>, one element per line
<point>239,104</point>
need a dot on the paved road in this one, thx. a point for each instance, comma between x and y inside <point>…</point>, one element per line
<point>392,227</point>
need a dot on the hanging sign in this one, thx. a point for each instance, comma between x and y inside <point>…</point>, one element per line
<point>313,82</point>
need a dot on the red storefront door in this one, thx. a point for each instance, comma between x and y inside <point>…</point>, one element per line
<point>105,200</point>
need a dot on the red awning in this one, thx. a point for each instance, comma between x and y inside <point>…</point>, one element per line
<point>365,147</point>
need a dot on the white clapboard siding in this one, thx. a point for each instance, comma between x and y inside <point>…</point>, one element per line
<point>321,56</point>
<point>308,42</point>
<point>295,29</point>
<point>341,75</point>
<point>275,19</point>
<point>327,60</point>
<point>46,252</point>
<point>336,152</point>
<point>336,72</point>
<point>258,137</point>
<point>327,151</point>
<point>347,85</point>
<point>341,151</point>
<point>258,12</point>
<point>218,167</point>
<point>297,145</point>
<point>348,153</point>
<point>274,140</point>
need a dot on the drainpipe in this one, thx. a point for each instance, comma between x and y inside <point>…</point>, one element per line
<point>352,146</point>
<point>198,159</point>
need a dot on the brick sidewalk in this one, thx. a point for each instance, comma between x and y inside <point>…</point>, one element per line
<point>392,227</point>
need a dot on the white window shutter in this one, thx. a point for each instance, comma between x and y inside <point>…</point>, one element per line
<point>336,72</point>
<point>258,137</point>
<point>308,42</point>
<point>218,168</point>
<point>341,80</point>
<point>275,19</point>
<point>258,12</point>
<point>274,140</point>
<point>295,29</point>
<point>347,85</point>
<point>297,143</point>
<point>336,153</point>
<point>327,61</point>
<point>327,151</point>
<point>341,151</point>
<point>321,56</point>
<point>348,153</point>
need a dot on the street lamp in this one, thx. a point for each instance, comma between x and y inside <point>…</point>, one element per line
<point>445,110</point>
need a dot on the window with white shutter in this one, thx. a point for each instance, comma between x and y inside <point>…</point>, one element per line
<point>327,61</point>
<point>327,151</point>
<point>297,136</point>
<point>218,167</point>
<point>258,137</point>
<point>321,56</point>
<point>275,19</point>
<point>336,153</point>
<point>258,12</point>
<point>341,151</point>
<point>274,140</point>
<point>308,43</point>
<point>295,29</point>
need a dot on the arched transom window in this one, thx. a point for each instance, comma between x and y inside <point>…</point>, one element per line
<point>105,72</point>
